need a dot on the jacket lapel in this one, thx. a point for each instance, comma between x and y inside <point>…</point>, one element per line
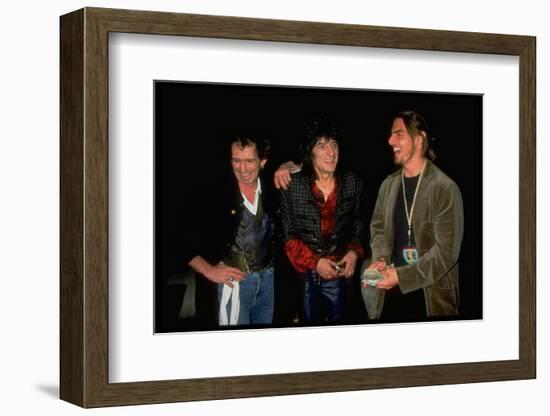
<point>422,203</point>
<point>390,208</point>
<point>341,191</point>
<point>310,205</point>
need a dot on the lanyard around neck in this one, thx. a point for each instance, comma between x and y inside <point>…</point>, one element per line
<point>410,214</point>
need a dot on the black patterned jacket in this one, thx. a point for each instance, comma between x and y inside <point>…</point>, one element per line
<point>300,215</point>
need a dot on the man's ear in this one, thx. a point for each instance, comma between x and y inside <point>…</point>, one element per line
<point>262,163</point>
<point>418,140</point>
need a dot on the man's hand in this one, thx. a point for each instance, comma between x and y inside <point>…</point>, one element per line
<point>348,262</point>
<point>326,268</point>
<point>378,265</point>
<point>282,175</point>
<point>221,273</point>
<point>390,279</point>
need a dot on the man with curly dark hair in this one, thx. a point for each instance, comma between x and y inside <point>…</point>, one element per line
<point>322,224</point>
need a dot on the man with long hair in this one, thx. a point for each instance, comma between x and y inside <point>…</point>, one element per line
<point>322,224</point>
<point>416,230</point>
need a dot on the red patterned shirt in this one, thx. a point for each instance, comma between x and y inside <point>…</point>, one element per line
<point>300,254</point>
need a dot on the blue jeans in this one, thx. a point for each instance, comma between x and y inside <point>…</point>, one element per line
<point>323,299</point>
<point>256,296</point>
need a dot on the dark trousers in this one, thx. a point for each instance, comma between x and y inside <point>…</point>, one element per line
<point>399,307</point>
<point>323,299</point>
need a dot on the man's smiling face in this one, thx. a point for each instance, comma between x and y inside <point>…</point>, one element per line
<point>401,142</point>
<point>246,164</point>
<point>324,156</point>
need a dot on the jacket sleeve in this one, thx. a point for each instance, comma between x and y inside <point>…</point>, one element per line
<point>445,233</point>
<point>208,226</point>
<point>198,238</point>
<point>377,237</point>
<point>300,255</point>
<point>286,218</point>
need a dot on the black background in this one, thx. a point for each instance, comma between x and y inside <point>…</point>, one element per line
<point>191,153</point>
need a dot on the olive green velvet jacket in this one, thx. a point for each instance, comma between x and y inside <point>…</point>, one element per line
<point>438,226</point>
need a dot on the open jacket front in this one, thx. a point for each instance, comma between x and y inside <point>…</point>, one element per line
<point>301,218</point>
<point>438,223</point>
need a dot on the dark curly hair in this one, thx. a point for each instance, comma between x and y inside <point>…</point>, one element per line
<point>318,128</point>
<point>248,138</point>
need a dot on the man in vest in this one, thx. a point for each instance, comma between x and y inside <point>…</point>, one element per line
<point>234,248</point>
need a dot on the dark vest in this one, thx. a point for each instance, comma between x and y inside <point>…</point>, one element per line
<point>251,250</point>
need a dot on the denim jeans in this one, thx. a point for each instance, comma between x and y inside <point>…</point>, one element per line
<point>256,295</point>
<point>323,299</point>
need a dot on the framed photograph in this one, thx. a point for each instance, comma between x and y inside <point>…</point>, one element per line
<point>197,118</point>
<point>149,105</point>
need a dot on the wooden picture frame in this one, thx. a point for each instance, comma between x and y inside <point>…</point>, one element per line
<point>84,207</point>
